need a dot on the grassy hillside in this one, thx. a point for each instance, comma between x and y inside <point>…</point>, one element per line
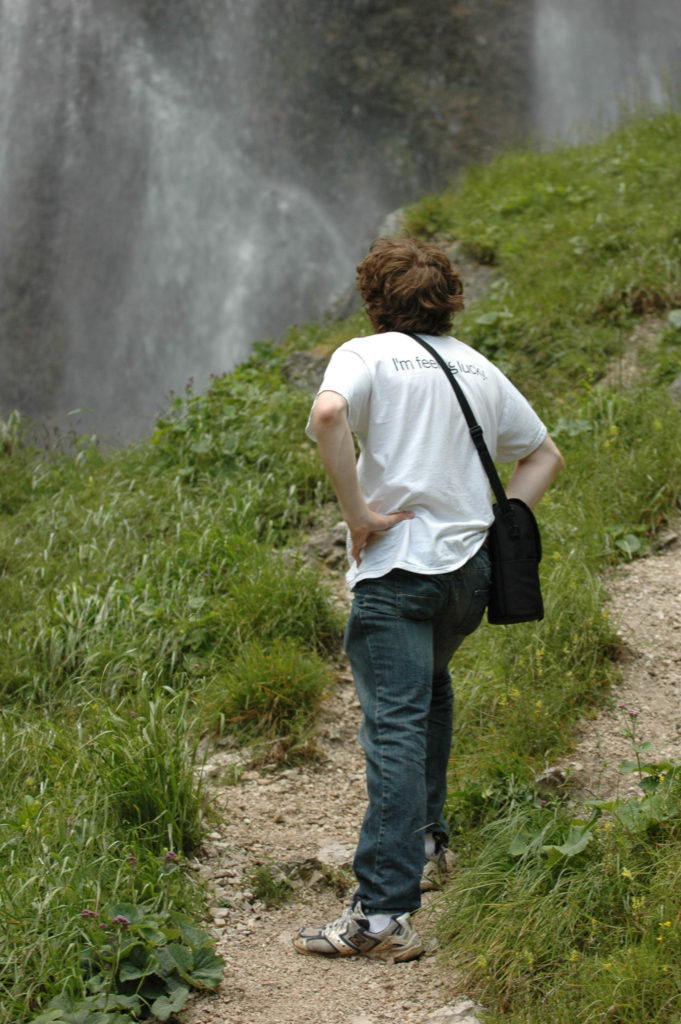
<point>153,597</point>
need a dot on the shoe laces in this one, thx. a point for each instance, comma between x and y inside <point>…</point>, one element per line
<point>349,914</point>
<point>339,924</point>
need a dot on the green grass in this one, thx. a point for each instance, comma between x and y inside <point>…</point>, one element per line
<point>147,602</point>
<point>153,598</point>
<point>557,919</point>
<point>585,240</point>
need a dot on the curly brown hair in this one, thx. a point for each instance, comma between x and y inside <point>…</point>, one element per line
<point>409,285</point>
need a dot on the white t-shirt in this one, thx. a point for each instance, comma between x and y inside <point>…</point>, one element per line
<point>415,449</point>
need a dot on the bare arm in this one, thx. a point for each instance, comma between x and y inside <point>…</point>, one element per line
<point>532,475</point>
<point>329,422</point>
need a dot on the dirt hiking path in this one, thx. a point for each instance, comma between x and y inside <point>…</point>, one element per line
<point>301,824</point>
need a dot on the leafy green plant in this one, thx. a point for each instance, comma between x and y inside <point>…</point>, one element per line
<point>659,780</point>
<point>271,884</point>
<point>551,911</point>
<point>138,963</point>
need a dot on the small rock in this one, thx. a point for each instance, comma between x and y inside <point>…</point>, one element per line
<point>465,1006</point>
<point>335,854</point>
<point>551,778</point>
<point>462,1012</point>
<point>316,880</point>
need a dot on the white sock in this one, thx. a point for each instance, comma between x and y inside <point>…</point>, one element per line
<point>378,922</point>
<point>430,844</point>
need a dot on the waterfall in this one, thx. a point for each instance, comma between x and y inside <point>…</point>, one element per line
<point>179,178</point>
<point>142,245</point>
<point>597,60</point>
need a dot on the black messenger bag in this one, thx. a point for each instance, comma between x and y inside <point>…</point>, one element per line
<point>514,541</point>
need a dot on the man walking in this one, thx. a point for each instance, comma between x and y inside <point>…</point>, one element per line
<point>417,505</point>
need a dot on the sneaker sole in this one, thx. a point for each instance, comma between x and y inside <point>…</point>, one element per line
<point>389,954</point>
<point>396,956</point>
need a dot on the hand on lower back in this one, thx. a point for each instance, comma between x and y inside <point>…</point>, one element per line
<point>361,536</point>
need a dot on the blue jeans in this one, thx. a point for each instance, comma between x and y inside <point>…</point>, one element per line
<point>402,632</point>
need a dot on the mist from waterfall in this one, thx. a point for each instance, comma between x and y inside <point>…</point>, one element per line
<point>179,178</point>
<point>141,244</point>
<point>596,61</point>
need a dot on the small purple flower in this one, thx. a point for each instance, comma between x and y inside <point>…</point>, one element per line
<point>170,856</point>
<point>134,714</point>
<point>132,861</point>
<point>88,913</point>
<point>121,920</point>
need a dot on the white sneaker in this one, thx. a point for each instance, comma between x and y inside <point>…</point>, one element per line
<point>437,868</point>
<point>349,935</point>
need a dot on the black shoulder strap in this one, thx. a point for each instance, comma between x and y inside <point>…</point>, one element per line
<point>474,427</point>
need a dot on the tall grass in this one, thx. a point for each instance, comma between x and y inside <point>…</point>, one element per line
<point>91,811</point>
<point>133,585</point>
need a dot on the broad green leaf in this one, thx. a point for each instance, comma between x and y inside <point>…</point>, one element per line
<point>86,1016</point>
<point>632,816</point>
<point>62,1002</point>
<point>629,544</point>
<point>578,839</point>
<point>208,968</point>
<point>166,962</point>
<point>166,1005</point>
<point>194,937</point>
<point>182,958</point>
<point>130,971</point>
<point>657,807</point>
<point>161,1008</point>
<point>644,747</point>
<point>520,844</point>
<point>115,1001</point>
<point>151,934</point>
